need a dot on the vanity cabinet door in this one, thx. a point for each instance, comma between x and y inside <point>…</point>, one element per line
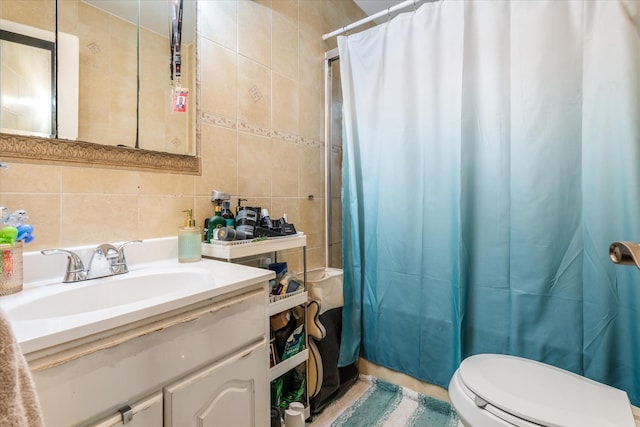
<point>146,413</point>
<point>233,392</point>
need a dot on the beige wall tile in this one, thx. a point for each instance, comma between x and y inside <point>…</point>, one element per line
<point>285,167</point>
<point>38,13</point>
<point>312,213</point>
<point>311,59</point>
<point>289,206</point>
<point>220,161</point>
<point>98,218</point>
<point>310,15</point>
<point>315,257</point>
<point>311,172</point>
<point>254,93</point>
<point>312,217</point>
<point>164,222</point>
<point>285,104</point>
<point>44,214</point>
<point>310,119</point>
<point>285,46</point>
<point>218,21</point>
<point>166,184</point>
<point>286,8</point>
<point>29,178</point>
<point>219,71</point>
<point>254,31</point>
<point>99,181</point>
<point>254,158</point>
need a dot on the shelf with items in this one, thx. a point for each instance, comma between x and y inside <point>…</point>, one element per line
<point>291,367</point>
<point>291,386</point>
<point>280,303</point>
<point>244,248</point>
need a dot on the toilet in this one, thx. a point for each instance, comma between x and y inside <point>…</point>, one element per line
<point>491,390</point>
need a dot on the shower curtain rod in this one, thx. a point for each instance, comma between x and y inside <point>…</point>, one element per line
<point>377,15</point>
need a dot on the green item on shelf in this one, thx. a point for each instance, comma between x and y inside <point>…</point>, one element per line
<point>294,344</point>
<point>276,391</point>
<point>296,391</point>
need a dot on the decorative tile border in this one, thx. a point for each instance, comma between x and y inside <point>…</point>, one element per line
<point>225,122</point>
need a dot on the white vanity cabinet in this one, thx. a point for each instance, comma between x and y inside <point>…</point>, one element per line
<point>223,394</point>
<point>199,365</point>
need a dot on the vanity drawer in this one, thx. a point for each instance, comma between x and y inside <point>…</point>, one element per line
<point>146,413</point>
<point>94,380</point>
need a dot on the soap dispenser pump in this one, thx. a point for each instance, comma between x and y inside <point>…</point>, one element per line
<point>189,240</point>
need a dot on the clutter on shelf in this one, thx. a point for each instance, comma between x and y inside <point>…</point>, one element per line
<point>249,222</point>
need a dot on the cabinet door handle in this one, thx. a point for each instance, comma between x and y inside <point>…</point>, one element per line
<point>126,413</point>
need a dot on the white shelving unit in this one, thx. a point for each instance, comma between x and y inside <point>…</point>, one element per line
<point>236,249</point>
<point>244,248</point>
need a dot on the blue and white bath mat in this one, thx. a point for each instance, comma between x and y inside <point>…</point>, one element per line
<point>372,402</point>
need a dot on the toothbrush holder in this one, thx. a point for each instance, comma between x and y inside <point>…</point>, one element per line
<point>10,268</point>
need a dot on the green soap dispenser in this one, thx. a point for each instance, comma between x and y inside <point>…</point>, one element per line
<point>215,222</point>
<point>189,240</point>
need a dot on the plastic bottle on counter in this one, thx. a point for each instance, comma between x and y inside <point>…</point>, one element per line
<point>215,223</point>
<point>189,240</point>
<point>228,215</point>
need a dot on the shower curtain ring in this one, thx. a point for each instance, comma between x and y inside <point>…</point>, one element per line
<point>415,5</point>
<point>389,13</point>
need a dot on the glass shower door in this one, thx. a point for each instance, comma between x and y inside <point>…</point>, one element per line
<point>333,160</point>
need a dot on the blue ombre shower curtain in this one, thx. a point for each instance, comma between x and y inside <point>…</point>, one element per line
<point>491,154</point>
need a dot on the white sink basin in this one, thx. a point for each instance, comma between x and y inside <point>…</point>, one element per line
<point>108,293</point>
<point>49,313</point>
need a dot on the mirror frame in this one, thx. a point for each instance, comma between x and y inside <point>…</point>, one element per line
<point>45,150</point>
<point>30,149</point>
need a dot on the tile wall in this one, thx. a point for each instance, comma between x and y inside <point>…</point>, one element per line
<point>262,137</point>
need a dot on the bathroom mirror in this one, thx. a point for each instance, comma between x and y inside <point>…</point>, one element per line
<point>114,126</point>
<point>27,70</point>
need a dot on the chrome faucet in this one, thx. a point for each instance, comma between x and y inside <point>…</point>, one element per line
<point>103,259</point>
<point>106,260</point>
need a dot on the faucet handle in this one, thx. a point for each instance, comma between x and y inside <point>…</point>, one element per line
<point>121,265</point>
<point>131,242</point>
<point>75,268</point>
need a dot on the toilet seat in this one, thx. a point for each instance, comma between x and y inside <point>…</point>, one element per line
<point>523,392</point>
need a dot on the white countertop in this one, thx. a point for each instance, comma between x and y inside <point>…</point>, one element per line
<point>43,276</point>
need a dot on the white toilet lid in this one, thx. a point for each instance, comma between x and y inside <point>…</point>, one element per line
<point>543,394</point>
